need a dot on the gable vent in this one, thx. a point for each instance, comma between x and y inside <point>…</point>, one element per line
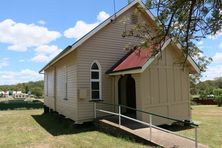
<point>134,19</point>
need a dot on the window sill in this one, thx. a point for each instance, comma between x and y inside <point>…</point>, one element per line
<point>99,100</point>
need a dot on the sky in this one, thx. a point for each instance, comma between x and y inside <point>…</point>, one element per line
<point>33,32</point>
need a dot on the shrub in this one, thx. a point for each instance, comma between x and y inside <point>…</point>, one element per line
<point>217,92</point>
<point>219,100</point>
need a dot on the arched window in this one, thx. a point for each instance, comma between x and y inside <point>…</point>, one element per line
<point>95,80</point>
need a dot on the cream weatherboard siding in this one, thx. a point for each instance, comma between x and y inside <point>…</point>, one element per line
<point>49,88</point>
<point>106,47</point>
<point>66,86</point>
<point>63,101</point>
<point>164,88</point>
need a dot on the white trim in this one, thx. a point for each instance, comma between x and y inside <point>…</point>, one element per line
<point>95,30</point>
<point>148,63</point>
<point>105,23</point>
<point>151,59</point>
<point>134,71</point>
<point>147,11</point>
<point>191,61</point>
<point>96,80</point>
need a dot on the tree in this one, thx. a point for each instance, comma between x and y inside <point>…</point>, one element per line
<point>185,21</point>
<point>35,87</point>
<point>37,91</point>
<point>218,82</point>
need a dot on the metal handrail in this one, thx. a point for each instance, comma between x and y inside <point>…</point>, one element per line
<point>150,124</point>
<point>149,113</point>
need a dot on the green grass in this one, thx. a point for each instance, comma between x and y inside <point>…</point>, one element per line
<point>209,118</point>
<point>29,128</point>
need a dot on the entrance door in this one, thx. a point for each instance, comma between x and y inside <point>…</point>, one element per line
<point>127,93</point>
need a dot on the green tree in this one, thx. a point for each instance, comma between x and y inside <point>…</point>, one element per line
<point>218,82</point>
<point>217,92</point>
<point>37,91</point>
<point>185,21</point>
<point>35,87</point>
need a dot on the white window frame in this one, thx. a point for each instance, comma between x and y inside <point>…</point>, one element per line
<point>96,80</point>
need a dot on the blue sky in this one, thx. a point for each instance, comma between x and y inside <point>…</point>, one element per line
<point>33,32</point>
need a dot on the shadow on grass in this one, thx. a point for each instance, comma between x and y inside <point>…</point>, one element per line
<point>57,125</point>
<point>20,104</point>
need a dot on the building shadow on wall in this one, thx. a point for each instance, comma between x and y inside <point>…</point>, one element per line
<point>57,125</point>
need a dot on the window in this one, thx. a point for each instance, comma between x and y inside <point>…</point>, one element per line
<point>95,80</point>
<point>46,85</point>
<point>65,83</point>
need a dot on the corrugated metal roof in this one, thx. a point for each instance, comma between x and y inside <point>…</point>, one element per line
<point>134,60</point>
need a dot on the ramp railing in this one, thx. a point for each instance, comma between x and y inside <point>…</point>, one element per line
<point>150,123</point>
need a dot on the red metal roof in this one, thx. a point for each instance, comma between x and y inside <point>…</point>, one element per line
<point>136,59</point>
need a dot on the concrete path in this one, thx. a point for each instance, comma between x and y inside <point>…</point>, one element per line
<point>159,137</point>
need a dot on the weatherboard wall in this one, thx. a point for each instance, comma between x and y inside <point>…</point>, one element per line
<point>63,95</point>
<point>107,47</point>
<point>164,87</point>
<point>49,88</point>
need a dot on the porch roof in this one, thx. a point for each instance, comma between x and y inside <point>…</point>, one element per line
<point>134,60</point>
<point>138,60</point>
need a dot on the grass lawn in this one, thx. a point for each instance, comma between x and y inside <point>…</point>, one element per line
<point>209,118</point>
<point>29,128</point>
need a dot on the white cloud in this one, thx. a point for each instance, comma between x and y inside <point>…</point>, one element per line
<point>200,43</point>
<point>217,58</point>
<point>14,77</point>
<point>41,22</point>
<point>102,16</point>
<point>79,30</point>
<point>212,72</point>
<point>4,62</point>
<point>21,36</point>
<point>45,53</point>
<point>81,27</point>
<point>216,36</point>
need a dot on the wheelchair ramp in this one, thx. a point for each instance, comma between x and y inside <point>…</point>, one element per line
<point>158,137</point>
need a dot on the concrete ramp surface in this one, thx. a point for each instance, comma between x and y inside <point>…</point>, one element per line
<point>158,137</point>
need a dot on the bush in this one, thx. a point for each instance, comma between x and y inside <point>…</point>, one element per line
<point>217,92</point>
<point>219,100</point>
<point>20,104</point>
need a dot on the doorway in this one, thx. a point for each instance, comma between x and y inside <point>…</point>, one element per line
<point>127,94</point>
